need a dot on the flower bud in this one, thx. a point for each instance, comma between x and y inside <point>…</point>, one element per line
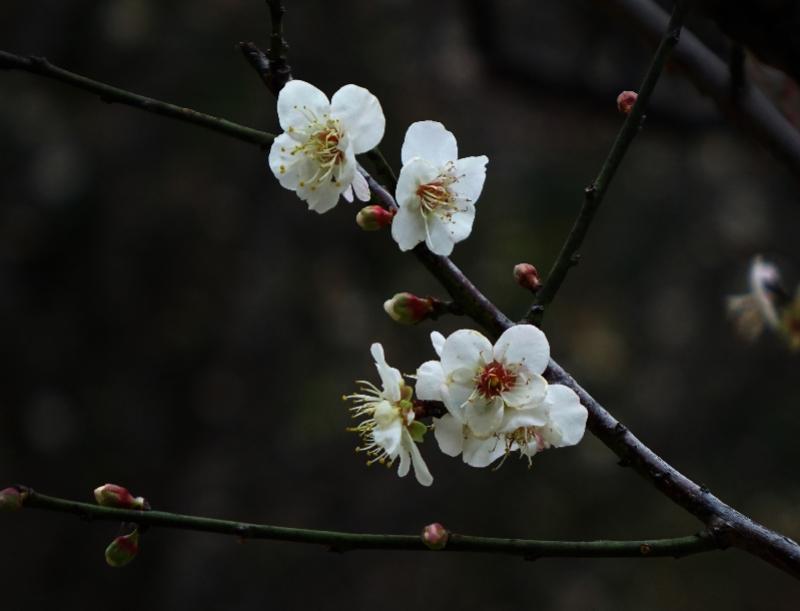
<point>122,550</point>
<point>372,218</point>
<point>626,100</point>
<point>527,276</point>
<point>111,495</point>
<point>435,536</point>
<point>408,309</point>
<point>11,499</point>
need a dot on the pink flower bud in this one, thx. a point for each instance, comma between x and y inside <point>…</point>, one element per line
<point>435,536</point>
<point>372,218</point>
<point>527,276</point>
<point>11,499</point>
<point>123,550</point>
<point>111,495</point>
<point>408,309</point>
<point>626,100</point>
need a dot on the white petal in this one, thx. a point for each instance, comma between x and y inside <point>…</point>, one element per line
<point>528,388</point>
<point>430,381</point>
<point>298,103</point>
<point>516,418</point>
<point>405,463</point>
<point>408,228</point>
<point>437,238</point>
<point>361,115</point>
<point>288,169</point>
<point>567,415</point>
<point>390,377</point>
<point>437,339</point>
<point>484,416</point>
<point>459,223</point>
<point>449,433</point>
<point>415,172</point>
<point>471,172</point>
<point>482,452</point>
<point>348,194</point>
<point>389,437</point>
<point>466,349</point>
<point>460,387</point>
<point>524,345</point>
<point>421,471</point>
<point>320,198</point>
<point>431,141</point>
<point>360,187</point>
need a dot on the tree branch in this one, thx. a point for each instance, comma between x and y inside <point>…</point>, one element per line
<point>107,93</point>
<point>346,541</point>
<point>595,192</point>
<point>728,526</point>
<point>750,109</point>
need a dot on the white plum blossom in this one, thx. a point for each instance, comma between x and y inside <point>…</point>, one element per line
<point>565,424</point>
<point>436,191</point>
<point>390,430</point>
<point>489,388</point>
<point>315,156</point>
<point>496,399</point>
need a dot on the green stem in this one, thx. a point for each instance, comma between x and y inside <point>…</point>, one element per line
<point>346,541</point>
<point>595,192</point>
<point>107,93</point>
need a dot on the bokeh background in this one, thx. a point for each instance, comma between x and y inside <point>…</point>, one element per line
<point>174,321</point>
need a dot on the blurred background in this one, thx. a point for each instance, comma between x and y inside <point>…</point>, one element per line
<point>173,321</point>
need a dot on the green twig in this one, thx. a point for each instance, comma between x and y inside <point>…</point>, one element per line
<point>346,541</point>
<point>594,193</point>
<point>107,93</point>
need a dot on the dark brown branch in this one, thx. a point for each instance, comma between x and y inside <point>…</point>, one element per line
<point>751,110</point>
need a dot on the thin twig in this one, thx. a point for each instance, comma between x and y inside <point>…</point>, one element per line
<point>110,94</point>
<point>595,192</point>
<point>346,541</point>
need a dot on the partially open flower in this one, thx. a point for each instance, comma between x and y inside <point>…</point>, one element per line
<point>436,191</point>
<point>315,156</point>
<point>112,495</point>
<point>389,431</point>
<point>407,308</point>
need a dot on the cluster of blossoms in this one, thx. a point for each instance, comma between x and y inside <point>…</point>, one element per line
<point>496,398</point>
<point>497,401</point>
<point>315,157</point>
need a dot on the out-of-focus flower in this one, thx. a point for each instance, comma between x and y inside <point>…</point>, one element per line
<point>758,308</point>
<point>11,499</point>
<point>315,156</point>
<point>790,322</point>
<point>389,431</point>
<point>436,191</point>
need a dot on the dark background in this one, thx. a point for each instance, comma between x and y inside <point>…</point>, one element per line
<point>172,320</point>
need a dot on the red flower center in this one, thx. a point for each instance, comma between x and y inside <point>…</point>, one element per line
<point>494,379</point>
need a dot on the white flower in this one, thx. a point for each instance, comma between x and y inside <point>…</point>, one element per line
<point>489,388</point>
<point>315,156</point>
<point>390,430</point>
<point>436,191</point>
<point>565,424</point>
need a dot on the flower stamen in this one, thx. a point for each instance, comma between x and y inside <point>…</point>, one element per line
<point>494,379</point>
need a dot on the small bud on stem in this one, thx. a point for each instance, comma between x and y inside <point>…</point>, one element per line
<point>527,277</point>
<point>408,309</point>
<point>11,499</point>
<point>435,536</point>
<point>372,218</point>
<point>111,495</point>
<point>626,100</point>
<point>123,550</point>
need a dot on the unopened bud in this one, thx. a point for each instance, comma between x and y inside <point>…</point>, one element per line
<point>11,499</point>
<point>527,276</point>
<point>372,218</point>
<point>408,309</point>
<point>435,536</point>
<point>111,495</point>
<point>626,100</point>
<point>122,550</point>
